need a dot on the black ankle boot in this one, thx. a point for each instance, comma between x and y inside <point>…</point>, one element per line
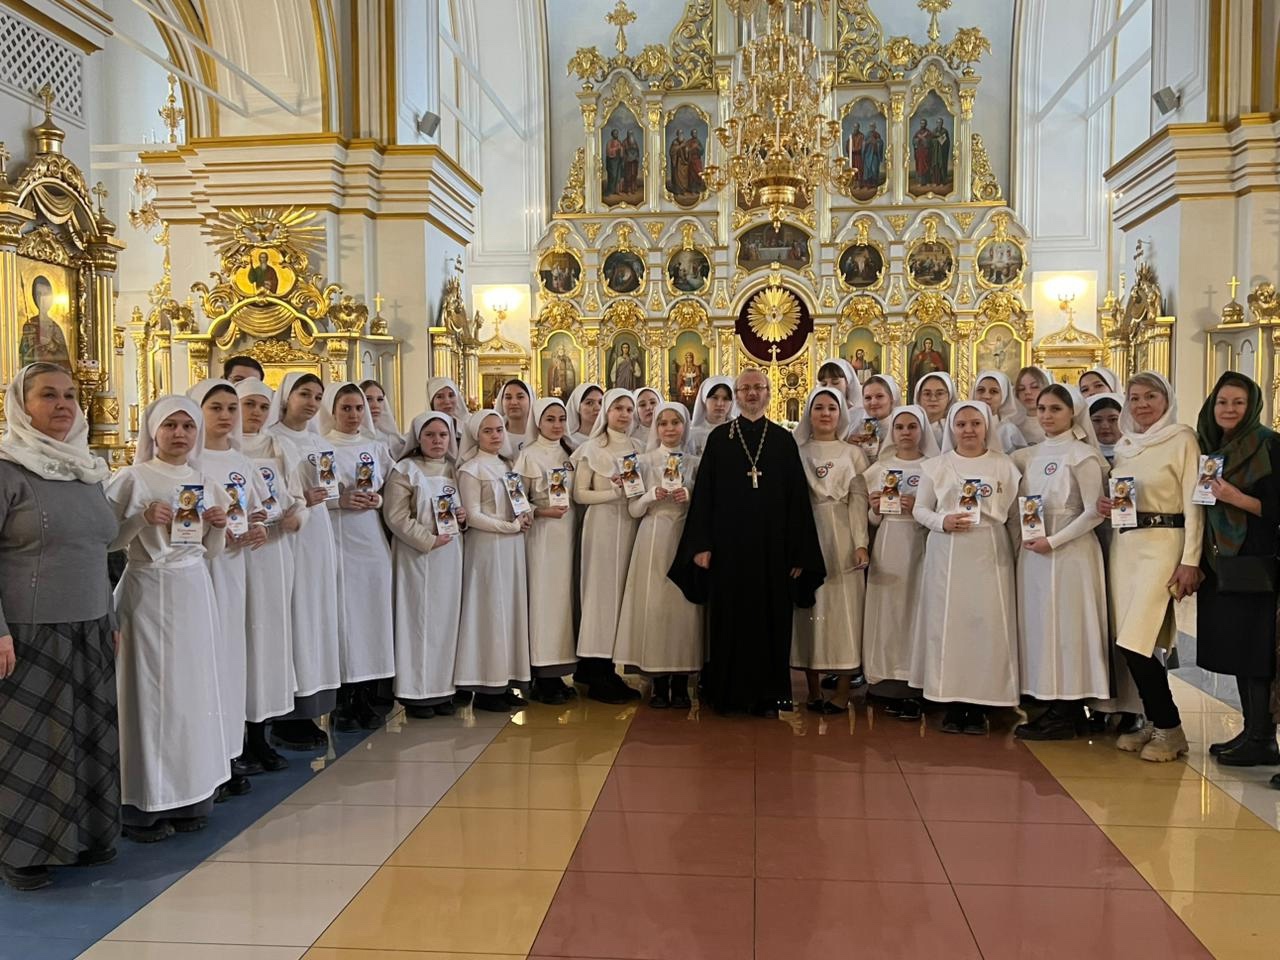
<point>1060,722</point>
<point>256,746</point>
<point>660,699</point>
<point>680,692</point>
<point>1258,748</point>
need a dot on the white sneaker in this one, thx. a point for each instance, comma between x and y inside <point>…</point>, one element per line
<point>1165,746</point>
<point>1133,742</point>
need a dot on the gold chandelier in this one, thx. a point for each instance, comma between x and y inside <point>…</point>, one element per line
<point>781,147</point>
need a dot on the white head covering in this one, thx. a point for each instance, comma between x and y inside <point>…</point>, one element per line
<point>1020,413</point>
<point>895,391</point>
<point>540,407</point>
<point>942,375</point>
<point>155,414</point>
<point>329,424</point>
<point>258,444</point>
<point>949,435</point>
<point>853,386</point>
<point>610,398</point>
<point>436,384</point>
<point>471,432</point>
<point>1009,405</point>
<point>653,442</point>
<point>1134,438</point>
<point>700,405</point>
<point>928,442</point>
<point>1108,449</point>
<point>648,390</point>
<point>1108,376</point>
<point>574,423</point>
<point>386,420</point>
<point>592,449</point>
<point>202,390</point>
<point>803,432</point>
<point>44,456</point>
<point>523,385</point>
<point>410,441</point>
<point>281,399</point>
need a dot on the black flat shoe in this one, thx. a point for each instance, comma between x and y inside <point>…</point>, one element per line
<point>767,710</point>
<point>301,735</point>
<point>161,830</point>
<point>492,703</point>
<point>1053,724</point>
<point>271,761</point>
<point>1251,753</point>
<point>239,786</point>
<point>975,722</point>
<point>606,693</point>
<point>909,709</point>
<point>824,707</point>
<point>568,689</point>
<point>27,878</point>
<point>660,701</point>
<point>893,707</point>
<point>1274,782</point>
<point>953,720</point>
<point>420,712</point>
<point>681,701</point>
<point>245,766</point>
<point>223,793</point>
<point>829,682</point>
<point>1225,745</point>
<point>858,679</point>
<point>96,858</point>
<point>1130,723</point>
<point>446,709</point>
<point>189,824</point>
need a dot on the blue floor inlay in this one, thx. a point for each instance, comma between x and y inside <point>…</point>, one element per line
<point>86,903</point>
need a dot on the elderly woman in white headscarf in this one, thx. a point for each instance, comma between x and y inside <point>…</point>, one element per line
<point>58,727</point>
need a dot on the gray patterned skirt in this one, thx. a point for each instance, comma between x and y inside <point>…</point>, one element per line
<point>59,744</point>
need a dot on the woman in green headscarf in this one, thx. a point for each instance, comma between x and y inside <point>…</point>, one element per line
<point>1236,612</point>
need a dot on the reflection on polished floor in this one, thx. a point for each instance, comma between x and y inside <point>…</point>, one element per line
<point>616,833</point>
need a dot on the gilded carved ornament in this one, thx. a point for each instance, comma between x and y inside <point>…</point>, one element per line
<point>965,218</point>
<point>898,221</point>
<point>573,199</point>
<point>986,187</point>
<point>692,52</point>
<point>42,244</point>
<point>689,315</point>
<point>1264,304</point>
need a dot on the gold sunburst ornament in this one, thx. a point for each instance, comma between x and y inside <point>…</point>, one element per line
<point>774,315</point>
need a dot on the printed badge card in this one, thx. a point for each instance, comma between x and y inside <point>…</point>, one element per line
<point>673,471</point>
<point>445,510</point>
<point>558,487</point>
<point>520,504</point>
<point>326,472</point>
<point>629,468</point>
<point>891,493</point>
<point>1031,509</point>
<point>367,479</point>
<point>272,503</point>
<point>188,505</point>
<point>971,499</point>
<point>1124,503</point>
<point>238,511</point>
<point>1210,470</point>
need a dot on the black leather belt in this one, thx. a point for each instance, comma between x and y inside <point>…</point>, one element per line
<point>1148,521</point>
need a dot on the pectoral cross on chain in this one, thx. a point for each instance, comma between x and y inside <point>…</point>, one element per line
<point>755,475</point>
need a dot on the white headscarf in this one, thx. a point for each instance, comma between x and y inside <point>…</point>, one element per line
<point>1081,425</point>
<point>1133,438</point>
<point>259,444</point>
<point>1108,449</point>
<point>410,443</point>
<point>853,386</point>
<point>386,420</point>
<point>40,453</point>
<point>949,435</point>
<point>641,431</point>
<point>949,383</point>
<point>895,391</point>
<point>700,405</point>
<point>592,450</point>
<point>928,442</point>
<point>653,442</point>
<point>536,411</point>
<point>1108,377</point>
<point>202,390</point>
<point>1009,405</point>
<point>436,384</point>
<point>804,429</point>
<point>281,399</point>
<point>574,423</point>
<point>329,424</point>
<point>471,432</point>
<point>1021,414</point>
<point>533,397</point>
<point>155,414</point>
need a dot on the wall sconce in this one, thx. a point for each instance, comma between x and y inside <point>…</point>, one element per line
<point>500,301</point>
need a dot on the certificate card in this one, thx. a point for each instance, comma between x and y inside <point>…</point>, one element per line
<point>1031,510</point>
<point>326,473</point>
<point>367,479</point>
<point>272,503</point>
<point>673,471</point>
<point>629,468</point>
<point>1210,470</point>
<point>188,505</point>
<point>971,499</point>
<point>520,504</point>
<point>558,487</point>
<point>238,511</point>
<point>444,508</point>
<point>891,493</point>
<point>1124,503</point>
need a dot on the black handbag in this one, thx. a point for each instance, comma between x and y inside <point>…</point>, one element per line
<point>1246,574</point>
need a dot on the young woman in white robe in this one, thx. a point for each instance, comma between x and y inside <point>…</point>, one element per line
<point>549,552</point>
<point>445,396</point>
<point>222,461</point>
<point>935,393</point>
<point>270,680</point>
<point>1097,380</point>
<point>1026,389</point>
<point>1158,564</point>
<point>659,631</point>
<point>608,535</point>
<point>493,633</point>
<point>516,400</point>
<point>366,649</point>
<point>992,388</point>
<point>827,637</point>
<point>427,566</point>
<point>173,746</point>
<point>895,590</point>
<point>713,407</point>
<point>583,410</point>
<point>880,396</point>
<point>291,423</point>
<point>384,420</point>
<point>647,401</point>
<point>838,373</point>
<point>966,646</point>
<point>1062,596</point>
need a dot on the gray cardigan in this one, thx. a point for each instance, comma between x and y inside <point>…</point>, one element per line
<point>53,549</point>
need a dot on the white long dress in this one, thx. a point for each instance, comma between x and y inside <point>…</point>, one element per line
<point>366,634</point>
<point>659,631</point>
<point>173,747</point>
<point>1062,596</point>
<point>269,574</point>
<point>313,604</point>
<point>549,550</point>
<point>427,580</point>
<point>966,646</point>
<point>493,634</point>
<point>828,636</point>
<point>894,586</point>
<point>1142,561</point>
<point>608,536</point>
<point>229,572</point>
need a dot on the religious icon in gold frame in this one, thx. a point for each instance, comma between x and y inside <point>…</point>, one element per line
<point>266,275</point>
<point>688,364</point>
<point>48,324</point>
<point>559,365</point>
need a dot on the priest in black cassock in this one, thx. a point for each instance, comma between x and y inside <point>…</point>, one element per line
<point>750,552</point>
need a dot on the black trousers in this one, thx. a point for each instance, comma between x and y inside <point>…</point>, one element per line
<point>1152,681</point>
